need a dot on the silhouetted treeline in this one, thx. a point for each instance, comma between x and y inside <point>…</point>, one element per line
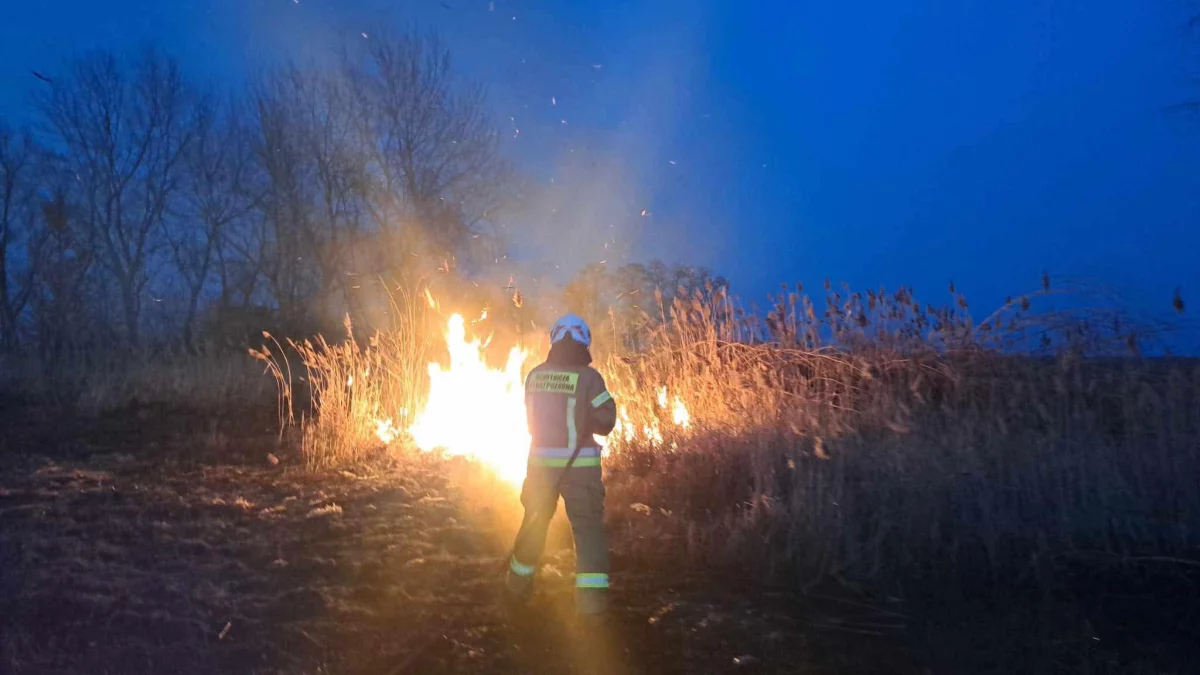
<point>139,207</point>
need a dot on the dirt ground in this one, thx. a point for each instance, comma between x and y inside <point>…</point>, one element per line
<point>146,542</point>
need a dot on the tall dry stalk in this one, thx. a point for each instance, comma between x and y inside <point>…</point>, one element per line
<point>880,440</point>
<point>352,386</point>
<point>875,440</point>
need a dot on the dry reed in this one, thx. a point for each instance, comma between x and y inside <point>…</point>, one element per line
<point>875,440</point>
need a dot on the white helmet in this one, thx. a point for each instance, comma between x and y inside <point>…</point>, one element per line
<point>574,326</point>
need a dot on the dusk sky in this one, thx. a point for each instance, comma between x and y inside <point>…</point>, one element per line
<point>876,142</point>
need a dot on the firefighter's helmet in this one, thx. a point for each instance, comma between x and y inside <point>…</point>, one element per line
<point>574,326</point>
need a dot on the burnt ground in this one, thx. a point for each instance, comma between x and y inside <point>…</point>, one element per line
<point>147,542</point>
<point>152,542</point>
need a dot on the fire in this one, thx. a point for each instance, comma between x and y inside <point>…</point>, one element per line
<point>651,431</point>
<point>680,415</point>
<point>386,430</point>
<point>474,410</point>
<point>679,412</point>
<point>477,411</point>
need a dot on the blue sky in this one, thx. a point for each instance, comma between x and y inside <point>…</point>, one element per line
<point>875,142</point>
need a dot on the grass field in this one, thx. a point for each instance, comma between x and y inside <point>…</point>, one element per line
<point>169,542</point>
<point>896,507</point>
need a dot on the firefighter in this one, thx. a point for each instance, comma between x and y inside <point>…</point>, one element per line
<point>566,402</point>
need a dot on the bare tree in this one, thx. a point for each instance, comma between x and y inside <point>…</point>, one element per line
<point>371,166</point>
<point>63,303</point>
<point>284,241</point>
<point>438,177</point>
<point>336,174</point>
<point>18,231</point>
<point>625,300</point>
<point>217,190</point>
<point>122,132</point>
<point>329,177</point>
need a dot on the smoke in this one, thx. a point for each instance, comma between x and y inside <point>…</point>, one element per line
<point>591,112</point>
<point>592,103</point>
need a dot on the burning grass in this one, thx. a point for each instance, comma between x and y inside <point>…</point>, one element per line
<point>874,443</point>
<point>355,391</point>
<point>899,454</point>
<point>913,452</point>
<point>138,563</point>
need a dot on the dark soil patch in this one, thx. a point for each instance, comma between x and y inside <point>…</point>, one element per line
<point>177,543</point>
<point>132,544</point>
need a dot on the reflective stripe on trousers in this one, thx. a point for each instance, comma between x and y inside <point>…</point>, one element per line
<point>519,569</point>
<point>591,580</point>
<point>558,457</point>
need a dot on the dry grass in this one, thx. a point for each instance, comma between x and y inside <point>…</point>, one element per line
<point>876,444</point>
<point>101,381</point>
<point>351,386</point>
<point>122,565</point>
<point>881,443</point>
<point>876,441</point>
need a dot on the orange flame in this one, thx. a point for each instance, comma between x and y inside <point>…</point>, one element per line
<point>477,411</point>
<point>474,410</point>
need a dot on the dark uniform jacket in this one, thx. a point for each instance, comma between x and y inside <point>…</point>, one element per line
<point>566,402</point>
